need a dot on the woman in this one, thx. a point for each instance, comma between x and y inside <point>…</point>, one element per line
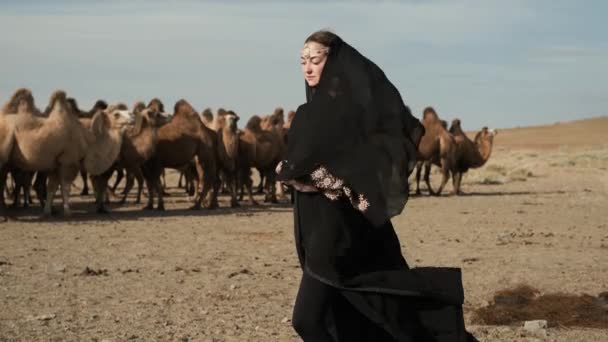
<point>351,149</point>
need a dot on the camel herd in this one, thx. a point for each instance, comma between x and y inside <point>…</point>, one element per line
<point>51,147</point>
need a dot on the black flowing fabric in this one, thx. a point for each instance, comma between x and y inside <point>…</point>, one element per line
<point>356,126</point>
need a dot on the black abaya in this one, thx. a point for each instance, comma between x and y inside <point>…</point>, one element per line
<point>356,129</point>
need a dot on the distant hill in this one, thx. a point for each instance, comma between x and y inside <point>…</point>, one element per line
<point>572,134</point>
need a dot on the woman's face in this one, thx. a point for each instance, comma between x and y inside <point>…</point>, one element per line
<point>312,59</point>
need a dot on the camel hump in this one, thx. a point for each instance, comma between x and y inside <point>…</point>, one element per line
<point>183,107</point>
<point>254,124</point>
<point>19,96</point>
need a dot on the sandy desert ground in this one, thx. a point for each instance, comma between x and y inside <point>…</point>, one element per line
<point>535,214</point>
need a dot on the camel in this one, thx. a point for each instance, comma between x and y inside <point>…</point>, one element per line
<point>139,145</point>
<point>470,154</point>
<point>85,119</point>
<point>104,143</point>
<point>262,149</point>
<point>436,147</point>
<point>8,115</point>
<point>228,150</point>
<point>19,101</point>
<point>55,144</point>
<point>183,139</point>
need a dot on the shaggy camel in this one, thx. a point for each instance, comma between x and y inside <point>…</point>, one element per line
<point>8,114</point>
<point>139,145</point>
<point>470,154</point>
<point>85,118</point>
<point>55,144</point>
<point>262,149</point>
<point>183,139</point>
<point>228,150</point>
<point>104,143</point>
<point>437,146</point>
<point>19,102</point>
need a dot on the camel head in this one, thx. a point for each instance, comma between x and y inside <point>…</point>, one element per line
<point>207,116</point>
<point>455,128</point>
<point>157,104</point>
<point>115,117</point>
<point>228,120</point>
<point>139,107</point>
<point>444,124</point>
<point>290,116</point>
<point>155,118</point>
<point>429,113</point>
<point>99,105</point>
<point>486,135</point>
<point>21,101</point>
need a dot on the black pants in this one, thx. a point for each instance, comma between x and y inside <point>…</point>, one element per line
<point>312,304</point>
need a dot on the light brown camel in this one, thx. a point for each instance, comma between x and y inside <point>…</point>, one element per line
<point>8,116</point>
<point>437,146</point>
<point>182,139</point>
<point>228,152</point>
<point>470,154</point>
<point>55,144</point>
<point>262,149</point>
<point>85,119</point>
<point>104,143</point>
<point>139,145</point>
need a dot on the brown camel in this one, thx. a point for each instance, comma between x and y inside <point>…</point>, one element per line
<point>55,144</point>
<point>139,145</point>
<point>228,152</point>
<point>470,154</point>
<point>437,146</point>
<point>262,149</point>
<point>183,139</point>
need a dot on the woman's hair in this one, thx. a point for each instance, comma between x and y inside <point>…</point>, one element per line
<point>323,37</point>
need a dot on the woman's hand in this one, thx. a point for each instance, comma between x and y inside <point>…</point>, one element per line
<point>301,186</point>
<point>297,185</point>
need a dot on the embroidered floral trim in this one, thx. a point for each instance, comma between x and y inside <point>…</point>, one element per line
<point>334,188</point>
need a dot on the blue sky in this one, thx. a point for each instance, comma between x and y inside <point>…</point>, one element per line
<point>494,63</point>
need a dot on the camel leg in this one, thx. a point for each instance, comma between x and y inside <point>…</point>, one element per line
<point>427,177</point>
<point>418,172</point>
<point>445,171</point>
<point>260,187</point>
<point>3,181</point>
<point>51,188</point>
<point>18,177</point>
<point>128,187</point>
<point>457,184</point>
<point>27,190</point>
<point>66,177</point>
<point>280,191</point>
<point>179,181</point>
<point>140,181</point>
<point>85,183</point>
<point>40,186</point>
<point>120,173</point>
<point>231,180</point>
<point>150,186</point>
<point>271,195</point>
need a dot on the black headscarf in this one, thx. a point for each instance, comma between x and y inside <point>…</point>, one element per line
<point>356,125</point>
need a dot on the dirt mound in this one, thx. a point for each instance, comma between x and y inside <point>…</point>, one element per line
<point>523,303</point>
